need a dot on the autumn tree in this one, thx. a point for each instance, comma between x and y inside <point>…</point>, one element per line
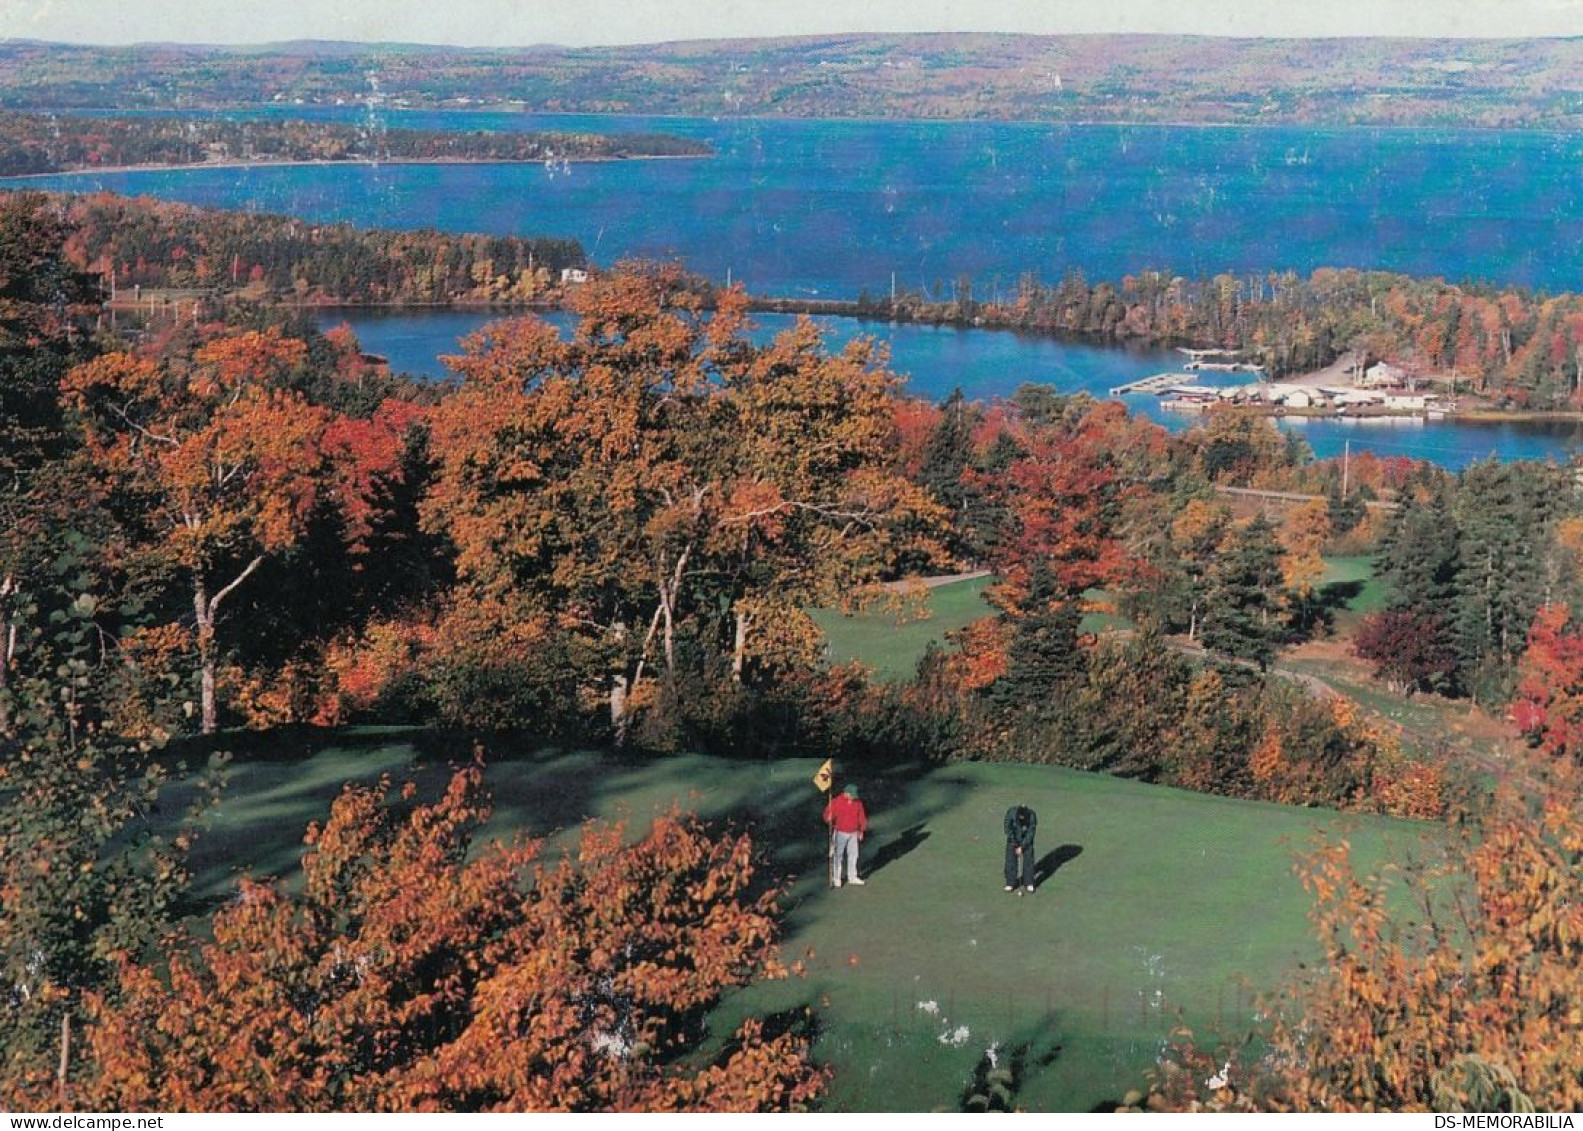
<point>1302,536</point>
<point>815,513</point>
<point>215,464</point>
<point>1409,648</point>
<point>413,974</point>
<point>1549,704</point>
<point>1196,536</point>
<point>656,474</point>
<point>1063,494</point>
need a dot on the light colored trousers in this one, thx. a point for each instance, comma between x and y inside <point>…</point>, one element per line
<point>845,848</point>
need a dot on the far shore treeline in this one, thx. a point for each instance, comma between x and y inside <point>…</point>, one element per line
<point>1498,83</point>
<point>52,143</point>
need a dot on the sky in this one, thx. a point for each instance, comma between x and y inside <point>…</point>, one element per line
<point>519,23</point>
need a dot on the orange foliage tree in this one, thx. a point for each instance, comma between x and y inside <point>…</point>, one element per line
<point>1302,536</point>
<point>1549,703</point>
<point>1064,495</point>
<point>219,460</point>
<point>657,469</point>
<point>411,975</point>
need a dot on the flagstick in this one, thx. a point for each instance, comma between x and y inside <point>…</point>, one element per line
<point>824,781</point>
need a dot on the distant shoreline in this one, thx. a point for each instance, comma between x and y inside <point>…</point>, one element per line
<point>1547,128</point>
<point>91,170</point>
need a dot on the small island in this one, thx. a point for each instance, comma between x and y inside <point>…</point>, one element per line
<point>38,144</point>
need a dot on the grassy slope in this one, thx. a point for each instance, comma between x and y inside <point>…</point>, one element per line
<point>891,645</point>
<point>1162,901</point>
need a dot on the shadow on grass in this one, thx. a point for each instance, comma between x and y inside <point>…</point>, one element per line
<point>790,831</point>
<point>1002,1072</point>
<point>279,782</point>
<point>898,846</point>
<point>1338,594</point>
<point>273,791</point>
<point>1051,862</point>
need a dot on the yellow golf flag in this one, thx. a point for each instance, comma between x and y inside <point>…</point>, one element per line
<point>823,778</point>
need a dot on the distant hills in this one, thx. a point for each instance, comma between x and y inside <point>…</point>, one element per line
<point>1135,78</point>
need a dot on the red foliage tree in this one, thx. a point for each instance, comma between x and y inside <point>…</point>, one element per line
<point>1549,703</point>
<point>222,459</point>
<point>1410,650</point>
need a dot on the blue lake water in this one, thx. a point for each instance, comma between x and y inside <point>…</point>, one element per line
<point>993,363</point>
<point>831,208</point>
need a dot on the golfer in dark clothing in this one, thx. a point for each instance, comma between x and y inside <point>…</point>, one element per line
<point>1021,823</point>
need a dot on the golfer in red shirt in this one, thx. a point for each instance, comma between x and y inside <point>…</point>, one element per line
<point>848,822</point>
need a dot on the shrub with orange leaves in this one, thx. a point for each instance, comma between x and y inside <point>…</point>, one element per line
<point>413,975</point>
<point>362,669</point>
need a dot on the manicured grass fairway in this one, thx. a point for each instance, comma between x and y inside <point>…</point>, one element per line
<point>892,646</point>
<point>1164,903</point>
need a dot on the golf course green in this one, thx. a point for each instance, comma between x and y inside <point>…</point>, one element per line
<point>1155,906</point>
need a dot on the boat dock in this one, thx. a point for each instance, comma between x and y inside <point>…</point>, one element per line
<point>1159,383</point>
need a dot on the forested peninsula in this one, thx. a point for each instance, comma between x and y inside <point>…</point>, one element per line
<point>138,245</point>
<point>39,143</point>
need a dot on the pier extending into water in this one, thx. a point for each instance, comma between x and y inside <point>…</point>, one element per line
<point>1159,383</point>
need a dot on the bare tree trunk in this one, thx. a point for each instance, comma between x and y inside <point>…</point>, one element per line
<point>739,646</point>
<point>670,590</point>
<point>63,1068</point>
<point>618,708</point>
<point>8,589</point>
<point>205,608</point>
<point>623,689</point>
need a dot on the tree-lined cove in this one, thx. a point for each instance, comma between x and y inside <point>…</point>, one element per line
<point>986,363</point>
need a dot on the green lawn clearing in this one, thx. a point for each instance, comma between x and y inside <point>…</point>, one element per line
<point>890,644</point>
<point>1349,583</point>
<point>1156,906</point>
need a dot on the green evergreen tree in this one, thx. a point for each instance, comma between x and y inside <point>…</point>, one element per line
<point>946,456</point>
<point>986,517</point>
<point>1241,617</point>
<point>1419,554</point>
<point>1506,515</point>
<point>1043,658</point>
<point>1126,715</point>
<point>1345,513</point>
